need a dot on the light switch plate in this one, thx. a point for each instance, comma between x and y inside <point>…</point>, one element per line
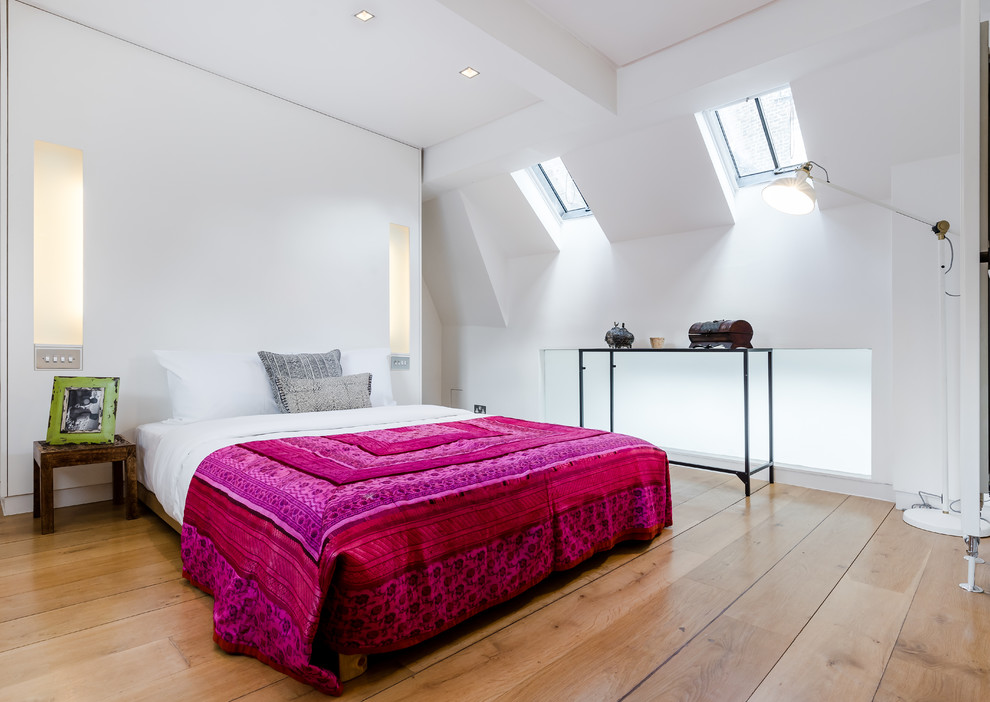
<point>400,362</point>
<point>58,357</point>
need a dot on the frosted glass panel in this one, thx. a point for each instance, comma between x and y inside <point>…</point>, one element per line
<point>596,391</point>
<point>823,409</point>
<point>560,386</point>
<point>681,400</point>
<point>759,405</point>
<point>692,403</point>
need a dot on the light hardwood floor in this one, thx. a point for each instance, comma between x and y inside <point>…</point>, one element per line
<point>793,594</point>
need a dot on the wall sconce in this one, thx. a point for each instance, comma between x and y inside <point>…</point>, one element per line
<point>399,306</point>
<point>58,256</point>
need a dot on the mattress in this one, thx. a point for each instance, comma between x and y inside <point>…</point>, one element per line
<point>169,452</point>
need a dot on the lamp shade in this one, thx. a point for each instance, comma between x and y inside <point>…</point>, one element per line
<point>791,194</point>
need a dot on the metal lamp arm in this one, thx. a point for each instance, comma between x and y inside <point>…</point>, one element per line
<point>940,228</point>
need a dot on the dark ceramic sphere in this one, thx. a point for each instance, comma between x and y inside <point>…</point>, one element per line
<point>619,337</point>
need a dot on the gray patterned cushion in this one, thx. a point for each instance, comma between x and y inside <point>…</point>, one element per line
<point>284,369</point>
<point>325,394</point>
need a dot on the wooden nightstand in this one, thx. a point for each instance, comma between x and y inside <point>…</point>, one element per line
<point>121,453</point>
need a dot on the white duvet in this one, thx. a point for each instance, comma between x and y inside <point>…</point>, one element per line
<point>169,452</point>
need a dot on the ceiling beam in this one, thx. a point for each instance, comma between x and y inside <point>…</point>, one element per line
<point>568,69</point>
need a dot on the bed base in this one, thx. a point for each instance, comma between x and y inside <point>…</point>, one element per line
<point>151,502</point>
<point>350,665</point>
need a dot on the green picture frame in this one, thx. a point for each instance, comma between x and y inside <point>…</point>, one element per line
<point>83,411</point>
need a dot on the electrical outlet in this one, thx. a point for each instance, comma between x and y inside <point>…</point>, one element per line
<point>480,409</point>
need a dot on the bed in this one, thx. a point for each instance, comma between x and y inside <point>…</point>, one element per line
<point>369,529</point>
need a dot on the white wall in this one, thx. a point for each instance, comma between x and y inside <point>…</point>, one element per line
<point>916,405</point>
<point>432,351</point>
<point>216,217</point>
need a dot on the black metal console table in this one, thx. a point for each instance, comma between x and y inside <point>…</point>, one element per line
<point>748,470</point>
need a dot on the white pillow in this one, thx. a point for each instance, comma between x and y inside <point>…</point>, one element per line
<point>375,361</point>
<point>215,384</point>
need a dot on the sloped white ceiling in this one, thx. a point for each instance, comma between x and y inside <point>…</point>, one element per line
<point>655,181</point>
<point>627,30</point>
<point>469,236</point>
<point>454,267</point>
<point>770,46</point>
<point>396,75</point>
<point>858,129</point>
<point>515,228</point>
<point>647,172</point>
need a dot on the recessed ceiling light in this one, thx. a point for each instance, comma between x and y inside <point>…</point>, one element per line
<point>364,15</point>
<point>469,72</point>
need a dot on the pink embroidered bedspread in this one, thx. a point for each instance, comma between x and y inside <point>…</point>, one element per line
<point>371,542</point>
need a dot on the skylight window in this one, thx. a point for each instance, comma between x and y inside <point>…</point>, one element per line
<point>560,189</point>
<point>758,135</point>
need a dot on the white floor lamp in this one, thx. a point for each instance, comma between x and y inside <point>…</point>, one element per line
<point>794,194</point>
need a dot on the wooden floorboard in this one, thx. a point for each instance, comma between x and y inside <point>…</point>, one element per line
<point>791,594</point>
<point>842,652</point>
<point>730,658</point>
<point>943,650</point>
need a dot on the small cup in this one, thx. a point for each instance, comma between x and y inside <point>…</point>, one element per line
<point>656,342</point>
